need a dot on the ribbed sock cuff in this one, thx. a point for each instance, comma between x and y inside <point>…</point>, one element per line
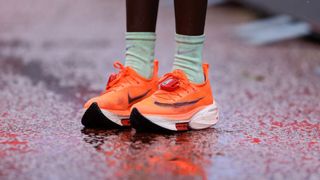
<point>141,36</point>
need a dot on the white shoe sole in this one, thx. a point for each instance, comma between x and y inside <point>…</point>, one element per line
<point>205,118</point>
<point>120,120</point>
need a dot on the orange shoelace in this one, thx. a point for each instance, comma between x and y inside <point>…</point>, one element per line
<point>119,79</point>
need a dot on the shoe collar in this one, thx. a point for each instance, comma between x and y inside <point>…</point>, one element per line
<point>169,80</point>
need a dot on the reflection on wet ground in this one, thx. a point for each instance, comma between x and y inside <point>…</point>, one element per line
<point>268,97</point>
<point>179,155</point>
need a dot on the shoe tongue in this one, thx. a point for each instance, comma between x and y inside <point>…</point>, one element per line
<point>180,73</point>
<point>131,71</point>
<point>134,73</point>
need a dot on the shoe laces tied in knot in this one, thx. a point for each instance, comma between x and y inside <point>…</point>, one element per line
<point>115,77</point>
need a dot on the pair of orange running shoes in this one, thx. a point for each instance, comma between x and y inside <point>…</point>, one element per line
<point>169,103</point>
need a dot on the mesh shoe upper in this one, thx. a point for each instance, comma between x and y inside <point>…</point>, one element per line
<point>124,89</point>
<point>177,96</point>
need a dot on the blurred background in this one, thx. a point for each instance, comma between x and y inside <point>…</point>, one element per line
<point>265,73</point>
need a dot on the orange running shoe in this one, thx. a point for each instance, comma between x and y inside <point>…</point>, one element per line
<point>112,108</point>
<point>178,105</point>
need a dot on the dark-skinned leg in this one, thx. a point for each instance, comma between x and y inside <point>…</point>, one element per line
<point>142,15</point>
<point>190,22</point>
<point>190,16</point>
<point>140,36</point>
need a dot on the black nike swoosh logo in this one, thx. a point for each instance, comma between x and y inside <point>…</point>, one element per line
<point>178,104</point>
<point>132,99</point>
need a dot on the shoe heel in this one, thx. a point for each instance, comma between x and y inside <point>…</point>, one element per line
<point>205,118</point>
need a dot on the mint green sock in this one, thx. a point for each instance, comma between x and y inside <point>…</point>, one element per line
<point>188,56</point>
<point>140,52</point>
